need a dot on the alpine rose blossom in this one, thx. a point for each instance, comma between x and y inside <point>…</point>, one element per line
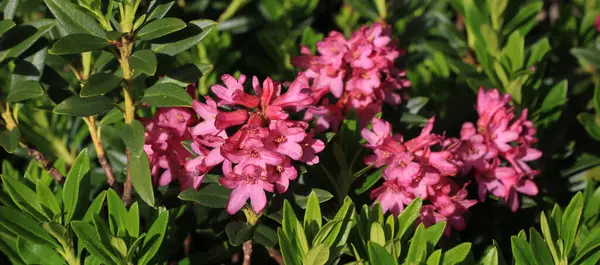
<point>352,74</point>
<point>413,169</point>
<point>498,149</point>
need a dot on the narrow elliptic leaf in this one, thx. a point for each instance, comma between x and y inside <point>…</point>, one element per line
<point>83,107</point>
<point>408,216</point>
<point>160,27</point>
<point>265,236</point>
<point>70,194</point>
<point>417,250</point>
<point>159,11</point>
<point>24,197</point>
<point>379,256</point>
<point>103,233</point>
<point>117,212</point>
<point>587,55</point>
<point>139,169</point>
<point>312,217</point>
<point>20,38</point>
<point>24,226</point>
<point>238,232</point>
<point>211,195</point>
<point>322,196</point>
<point>5,25</point>
<point>154,238</point>
<point>457,255</point>
<point>186,74</point>
<point>86,233</point>
<point>570,222</point>
<point>167,95</point>
<point>318,255</point>
<point>539,247</point>
<point>288,253</point>
<point>133,137</point>
<point>47,199</point>
<point>113,116</point>
<point>144,61</point>
<point>95,207</point>
<point>9,140</point>
<point>33,253</point>
<point>184,39</point>
<point>78,43</point>
<point>376,234</point>
<point>73,19</point>
<point>133,220</point>
<point>522,252</point>
<point>26,89</point>
<point>99,83</point>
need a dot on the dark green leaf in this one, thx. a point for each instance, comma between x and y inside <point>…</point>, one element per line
<point>5,25</point>
<point>160,27</point>
<point>20,38</point>
<point>184,39</point>
<point>265,236</point>
<point>288,252</point>
<point>370,180</point>
<point>117,213</point>
<point>293,229</point>
<point>83,107</point>
<point>133,137</point>
<point>95,207</point>
<point>33,253</point>
<point>212,195</point>
<point>103,234</point>
<point>24,226</point>
<point>24,198</point>
<point>556,97</point>
<point>379,256</point>
<point>587,55</point>
<point>238,232</point>
<point>539,247</point>
<point>70,194</point>
<point>24,83</point>
<point>99,83</point>
<point>132,222</point>
<point>78,43</point>
<point>515,51</point>
<point>73,19</point>
<point>154,238</point>
<point>364,8</point>
<point>113,116</point>
<point>167,95</point>
<point>590,123</point>
<point>139,169</point>
<point>86,233</point>
<point>538,51</point>
<point>187,74</point>
<point>144,61</point>
<point>26,89</point>
<point>160,11</point>
<point>9,140</point>
<point>47,199</point>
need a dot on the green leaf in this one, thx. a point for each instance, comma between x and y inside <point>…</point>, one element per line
<point>570,222</point>
<point>493,256</point>
<point>379,256</point>
<point>417,250</point>
<point>457,254</point>
<point>24,226</point>
<point>70,194</point>
<point>212,195</point>
<point>133,247</point>
<point>408,216</point>
<point>238,233</point>
<point>119,246</point>
<point>139,169</point>
<point>33,253</point>
<point>434,232</point>
<point>160,27</point>
<point>133,137</point>
<point>139,22</point>
<point>587,55</point>
<point>546,231</point>
<point>99,83</point>
<point>104,234</point>
<point>117,213</point>
<point>26,89</point>
<point>167,95</point>
<point>83,107</point>
<point>377,235</point>
<point>20,38</point>
<point>160,11</point>
<point>288,252</point>
<point>522,252</point>
<point>78,43</point>
<point>589,245</point>
<point>381,8</point>
<point>318,255</point>
<point>538,51</point>
<point>435,258</point>
<point>515,51</point>
<point>370,180</point>
<point>265,236</point>
<point>556,97</point>
<point>525,18</point>
<point>5,25</point>
<point>186,74</point>
<point>144,61</point>
<point>95,207</point>
<point>113,116</point>
<point>591,124</point>
<point>154,238</point>
<point>312,217</point>
<point>132,222</point>
<point>539,247</point>
<point>9,140</point>
<point>24,198</point>
<point>47,199</point>
<point>364,8</point>
<point>322,196</point>
<point>184,39</point>
<point>293,229</point>
<point>86,233</point>
<point>73,19</point>
<point>596,99</point>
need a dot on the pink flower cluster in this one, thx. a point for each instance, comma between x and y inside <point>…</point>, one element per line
<point>251,136</point>
<point>413,169</point>
<point>352,74</point>
<point>498,148</point>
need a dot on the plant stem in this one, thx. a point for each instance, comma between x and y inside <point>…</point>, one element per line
<point>247,248</point>
<point>96,139</point>
<point>125,52</point>
<point>276,255</point>
<point>38,156</point>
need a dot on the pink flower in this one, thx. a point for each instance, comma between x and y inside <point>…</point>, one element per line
<point>597,23</point>
<point>310,148</point>
<point>208,112</point>
<point>282,174</point>
<point>285,138</point>
<point>381,132</point>
<point>226,94</point>
<point>391,197</point>
<point>250,183</point>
